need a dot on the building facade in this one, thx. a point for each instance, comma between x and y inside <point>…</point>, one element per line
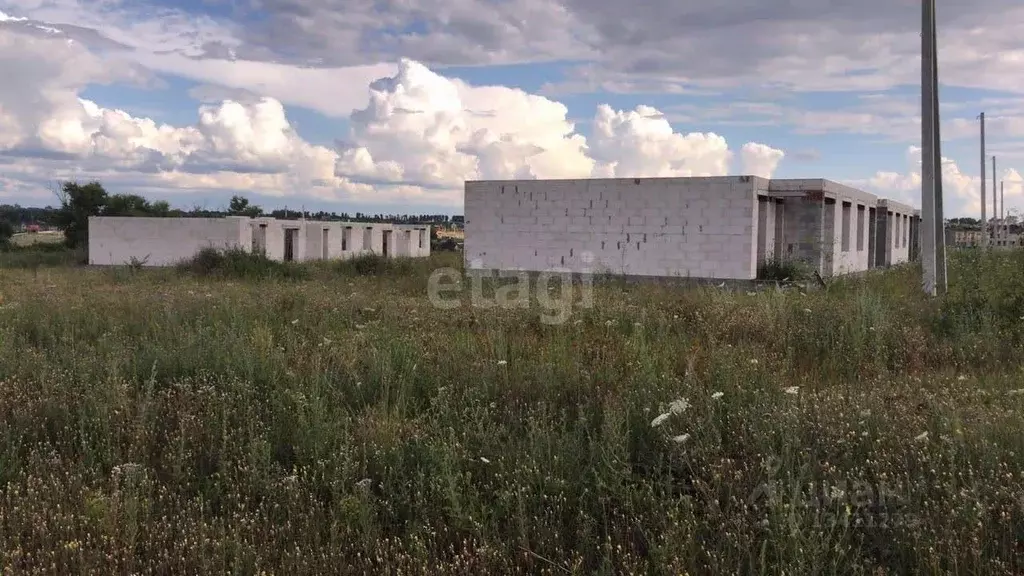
<point>701,228</point>
<point>168,241</point>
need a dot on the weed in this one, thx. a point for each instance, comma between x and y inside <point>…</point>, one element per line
<point>217,419</point>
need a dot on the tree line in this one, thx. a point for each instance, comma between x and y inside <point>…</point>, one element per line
<point>80,201</point>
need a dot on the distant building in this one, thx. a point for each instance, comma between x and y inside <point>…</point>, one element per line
<point>700,228</point>
<point>167,241</point>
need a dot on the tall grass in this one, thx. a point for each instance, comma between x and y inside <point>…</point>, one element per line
<point>335,422</point>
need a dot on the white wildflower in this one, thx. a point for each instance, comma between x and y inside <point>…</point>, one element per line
<point>717,395</point>
<point>360,326</point>
<point>793,390</point>
<point>1016,392</point>
<point>921,437</point>
<point>678,406</point>
<point>682,438</point>
<point>807,310</point>
<point>753,361</point>
<point>485,460</point>
<point>364,483</point>
<point>962,377</point>
<point>660,419</point>
<point>865,413</point>
<point>296,321</point>
<point>502,362</point>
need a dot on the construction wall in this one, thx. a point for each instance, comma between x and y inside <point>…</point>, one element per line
<point>688,227</point>
<point>897,230</point>
<point>160,241</point>
<point>166,241</point>
<point>826,225</point>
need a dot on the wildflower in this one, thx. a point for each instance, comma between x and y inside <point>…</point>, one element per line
<point>577,322</point>
<point>807,310</point>
<point>682,438</point>
<point>609,323</point>
<point>364,483</point>
<point>921,437</point>
<point>678,406</point>
<point>296,321</point>
<point>1016,392</point>
<point>660,419</point>
<point>502,362</point>
<point>753,361</point>
<point>485,460</point>
<point>717,395</point>
<point>793,390</point>
<point>360,326</point>
<point>865,413</point>
<point>962,377</point>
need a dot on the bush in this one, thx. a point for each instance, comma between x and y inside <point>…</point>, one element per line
<point>780,269</point>
<point>237,263</point>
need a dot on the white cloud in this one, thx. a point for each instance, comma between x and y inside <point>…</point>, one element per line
<point>417,139</point>
<point>961,192</point>
<point>760,159</point>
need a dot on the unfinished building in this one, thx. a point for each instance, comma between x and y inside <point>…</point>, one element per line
<point>168,241</point>
<point>700,228</point>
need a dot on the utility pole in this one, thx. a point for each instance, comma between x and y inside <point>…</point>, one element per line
<point>933,229</point>
<point>984,221</point>
<point>939,210</point>
<point>1002,210</point>
<point>995,199</point>
<point>929,262</point>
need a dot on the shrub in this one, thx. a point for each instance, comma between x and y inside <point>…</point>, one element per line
<point>237,263</point>
<point>781,269</point>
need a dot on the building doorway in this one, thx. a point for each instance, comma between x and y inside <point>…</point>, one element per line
<point>387,243</point>
<point>259,240</point>
<point>291,236</point>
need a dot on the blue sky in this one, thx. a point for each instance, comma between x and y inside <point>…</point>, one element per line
<point>290,114</point>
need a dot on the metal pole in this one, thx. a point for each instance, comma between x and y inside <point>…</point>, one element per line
<point>1002,210</point>
<point>928,260</point>
<point>984,221</point>
<point>939,217</point>
<point>995,199</point>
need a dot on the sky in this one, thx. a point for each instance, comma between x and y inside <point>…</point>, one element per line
<point>388,106</point>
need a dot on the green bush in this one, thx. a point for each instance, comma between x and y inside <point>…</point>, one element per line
<point>782,269</point>
<point>239,264</point>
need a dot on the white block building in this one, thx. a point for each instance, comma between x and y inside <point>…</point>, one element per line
<point>701,228</point>
<point>168,241</point>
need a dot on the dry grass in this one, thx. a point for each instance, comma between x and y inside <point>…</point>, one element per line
<point>157,421</point>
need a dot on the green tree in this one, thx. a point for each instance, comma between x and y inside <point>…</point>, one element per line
<point>239,206</point>
<point>126,205</point>
<point>79,202</point>
<point>6,231</point>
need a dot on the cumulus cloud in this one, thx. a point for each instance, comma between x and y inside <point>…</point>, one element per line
<point>418,138</point>
<point>760,159</point>
<point>423,127</point>
<point>961,191</point>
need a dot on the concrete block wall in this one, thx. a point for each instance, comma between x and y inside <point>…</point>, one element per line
<point>161,241</point>
<point>897,230</point>
<point>681,227</point>
<point>167,241</point>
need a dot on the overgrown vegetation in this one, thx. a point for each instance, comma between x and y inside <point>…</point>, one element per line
<point>219,421</point>
<point>780,269</point>
<point>240,265</point>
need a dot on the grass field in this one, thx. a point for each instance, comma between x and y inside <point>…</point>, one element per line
<point>26,239</point>
<point>256,419</point>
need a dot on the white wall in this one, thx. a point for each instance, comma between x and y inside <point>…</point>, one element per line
<point>688,227</point>
<point>161,241</point>
<point>897,230</point>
